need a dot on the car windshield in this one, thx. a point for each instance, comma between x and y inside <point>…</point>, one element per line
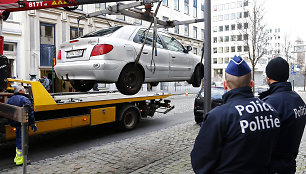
<point>102,32</point>
<point>216,93</point>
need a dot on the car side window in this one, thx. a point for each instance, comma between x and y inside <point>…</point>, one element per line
<point>140,38</point>
<point>173,44</point>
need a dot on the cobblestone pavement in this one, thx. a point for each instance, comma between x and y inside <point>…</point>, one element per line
<point>164,151</point>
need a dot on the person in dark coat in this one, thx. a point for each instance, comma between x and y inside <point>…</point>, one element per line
<point>21,99</point>
<point>238,136</point>
<point>292,112</point>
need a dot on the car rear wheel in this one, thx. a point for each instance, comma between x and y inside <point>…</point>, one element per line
<point>130,80</point>
<point>82,85</point>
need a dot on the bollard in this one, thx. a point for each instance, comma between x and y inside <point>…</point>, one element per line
<point>186,94</point>
<point>293,85</point>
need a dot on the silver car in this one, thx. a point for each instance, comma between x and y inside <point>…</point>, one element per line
<point>108,56</point>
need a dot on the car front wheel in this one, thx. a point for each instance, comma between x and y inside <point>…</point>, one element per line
<point>82,85</point>
<point>130,80</point>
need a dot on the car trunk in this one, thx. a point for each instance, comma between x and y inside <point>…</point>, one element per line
<point>78,49</point>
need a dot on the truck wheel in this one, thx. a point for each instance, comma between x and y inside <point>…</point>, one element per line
<point>129,120</point>
<point>130,80</point>
<point>82,85</point>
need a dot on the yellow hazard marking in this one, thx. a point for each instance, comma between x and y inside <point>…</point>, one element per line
<point>64,2</point>
<point>59,2</point>
<point>54,3</point>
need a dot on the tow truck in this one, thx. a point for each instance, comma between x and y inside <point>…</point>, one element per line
<point>60,111</point>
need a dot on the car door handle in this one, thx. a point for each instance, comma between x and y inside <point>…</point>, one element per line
<point>173,57</point>
<point>145,53</point>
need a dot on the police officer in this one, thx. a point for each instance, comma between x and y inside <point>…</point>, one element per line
<point>236,137</point>
<point>292,113</point>
<point>21,99</point>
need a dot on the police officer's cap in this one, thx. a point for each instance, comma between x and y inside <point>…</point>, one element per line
<point>237,67</point>
<point>278,69</point>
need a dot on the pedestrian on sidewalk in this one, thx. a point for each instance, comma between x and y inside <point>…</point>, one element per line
<point>21,99</point>
<point>46,82</point>
<point>238,136</point>
<point>292,112</point>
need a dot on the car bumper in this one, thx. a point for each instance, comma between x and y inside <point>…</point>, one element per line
<point>198,113</point>
<point>99,70</point>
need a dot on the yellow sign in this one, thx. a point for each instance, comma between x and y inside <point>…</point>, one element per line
<point>54,3</point>
<point>59,2</point>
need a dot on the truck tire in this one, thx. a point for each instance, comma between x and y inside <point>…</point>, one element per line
<point>129,119</point>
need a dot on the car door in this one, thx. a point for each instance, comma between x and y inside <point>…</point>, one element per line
<point>180,64</point>
<point>156,68</point>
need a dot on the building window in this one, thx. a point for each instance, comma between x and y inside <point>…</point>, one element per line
<point>220,39</point>
<point>220,50</point>
<point>239,48</point>
<point>47,34</point>
<point>215,18</point>
<point>220,7</point>
<point>215,60</point>
<point>239,26</point>
<point>176,29</point>
<point>233,16</point>
<point>239,4</point>
<point>165,2</point>
<point>100,6</point>
<point>215,28</point>
<point>226,6</point>
<point>215,39</point>
<point>226,27</point>
<point>186,26</point>
<point>215,8</point>
<point>195,50</point>
<point>226,38</point>
<point>195,32</point>
<point>220,18</point>
<point>8,47</point>
<point>233,5</point>
<point>239,38</point>
<point>218,74</point>
<point>245,37</point>
<point>226,50</point>
<point>186,6</point>
<point>226,17</point>
<point>246,3</point>
<point>215,50</point>
<point>246,14</point>
<point>195,8</point>
<point>233,49</point>
<point>202,31</point>
<point>239,15</point>
<point>233,27</point>
<point>246,48</point>
<point>74,33</point>
<point>233,37</point>
<point>137,21</point>
<point>220,28</point>
<point>226,60</point>
<point>176,4</point>
<point>246,25</point>
<point>220,60</point>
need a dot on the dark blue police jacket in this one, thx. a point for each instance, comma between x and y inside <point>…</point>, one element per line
<point>236,137</point>
<point>292,113</point>
<point>19,99</point>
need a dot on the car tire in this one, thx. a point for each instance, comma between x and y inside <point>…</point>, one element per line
<point>129,119</point>
<point>196,77</point>
<point>130,80</point>
<point>82,85</point>
<point>198,119</point>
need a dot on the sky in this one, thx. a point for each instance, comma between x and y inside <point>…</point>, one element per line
<point>289,15</point>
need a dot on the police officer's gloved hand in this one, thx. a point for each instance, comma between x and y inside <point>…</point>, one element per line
<point>34,127</point>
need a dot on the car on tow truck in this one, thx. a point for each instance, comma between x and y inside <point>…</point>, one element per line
<point>108,56</point>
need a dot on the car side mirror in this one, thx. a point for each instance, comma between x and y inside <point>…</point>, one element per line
<point>188,48</point>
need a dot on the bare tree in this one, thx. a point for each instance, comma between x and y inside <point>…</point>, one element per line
<point>255,35</point>
<point>287,46</point>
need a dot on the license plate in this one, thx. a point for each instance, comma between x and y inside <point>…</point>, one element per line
<point>75,53</point>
